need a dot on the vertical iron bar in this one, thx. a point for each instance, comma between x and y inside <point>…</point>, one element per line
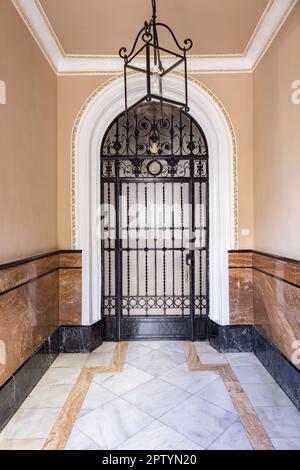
<point>118,254</point>
<point>186,82</point>
<point>155,241</point>
<point>137,241</point>
<point>164,248</point>
<point>192,248</point>
<point>173,246</point>
<point>148,69</point>
<point>109,248</point>
<point>102,231</point>
<point>146,249</point>
<point>182,249</point>
<point>128,248</point>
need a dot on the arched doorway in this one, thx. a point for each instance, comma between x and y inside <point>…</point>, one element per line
<point>107,102</point>
<point>155,228</point>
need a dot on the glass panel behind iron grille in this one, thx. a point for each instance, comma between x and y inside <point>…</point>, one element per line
<point>154,248</point>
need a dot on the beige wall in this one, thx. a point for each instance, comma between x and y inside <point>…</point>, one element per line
<point>28,129</point>
<point>277,145</point>
<point>234,91</point>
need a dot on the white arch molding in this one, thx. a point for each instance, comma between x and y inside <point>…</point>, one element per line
<point>95,117</point>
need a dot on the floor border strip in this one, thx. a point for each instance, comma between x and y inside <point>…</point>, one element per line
<point>254,428</point>
<point>64,424</point>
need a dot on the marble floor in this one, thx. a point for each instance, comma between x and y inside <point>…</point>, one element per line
<point>150,398</point>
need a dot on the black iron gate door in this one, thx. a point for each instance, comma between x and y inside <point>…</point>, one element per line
<point>155,226</point>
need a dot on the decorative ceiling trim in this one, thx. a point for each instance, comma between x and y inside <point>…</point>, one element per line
<point>32,13</point>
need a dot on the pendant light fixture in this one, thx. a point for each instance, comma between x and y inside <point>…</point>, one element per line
<point>150,57</point>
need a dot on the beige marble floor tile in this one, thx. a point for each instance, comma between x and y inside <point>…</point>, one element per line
<point>105,347</point>
<point>70,360</point>
<point>21,444</point>
<point>99,359</point>
<point>31,424</point>
<point>60,376</point>
<point>47,396</point>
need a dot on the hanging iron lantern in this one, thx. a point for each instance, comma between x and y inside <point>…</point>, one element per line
<point>148,49</point>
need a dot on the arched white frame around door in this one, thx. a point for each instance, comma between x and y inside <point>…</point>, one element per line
<point>92,122</point>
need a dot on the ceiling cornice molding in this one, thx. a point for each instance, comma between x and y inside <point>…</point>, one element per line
<point>270,24</point>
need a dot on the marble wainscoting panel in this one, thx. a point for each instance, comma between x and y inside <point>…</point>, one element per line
<point>241,296</point>
<point>70,296</point>
<point>287,270</point>
<point>69,260</point>
<point>12,275</point>
<point>276,312</point>
<point>240,259</point>
<point>28,315</point>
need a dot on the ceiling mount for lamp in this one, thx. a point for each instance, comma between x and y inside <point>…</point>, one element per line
<point>147,44</point>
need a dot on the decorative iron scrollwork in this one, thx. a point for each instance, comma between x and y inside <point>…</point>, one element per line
<point>152,129</point>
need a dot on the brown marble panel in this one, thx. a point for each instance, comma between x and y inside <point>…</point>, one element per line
<point>70,296</point>
<point>70,260</point>
<point>28,315</point>
<point>240,260</point>
<point>14,276</point>
<point>285,270</point>
<point>277,312</point>
<point>241,296</point>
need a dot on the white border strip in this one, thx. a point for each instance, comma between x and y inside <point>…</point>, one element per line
<point>268,29</point>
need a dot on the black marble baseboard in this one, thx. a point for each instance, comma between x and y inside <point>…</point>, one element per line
<point>230,339</point>
<point>283,371</point>
<point>19,386</point>
<point>156,328</point>
<point>80,339</point>
<point>66,339</point>
<point>226,339</point>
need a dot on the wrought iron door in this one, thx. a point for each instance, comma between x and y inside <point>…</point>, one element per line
<point>155,225</point>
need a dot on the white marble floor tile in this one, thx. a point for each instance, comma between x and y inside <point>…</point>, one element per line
<point>234,438</point>
<point>286,443</point>
<point>70,360</point>
<point>156,397</point>
<point>103,377</point>
<point>79,441</point>
<point>205,347</point>
<point>106,347</point>
<point>199,421</point>
<point>159,361</point>
<point>242,359</point>
<point>123,382</point>
<point>31,424</point>
<point>99,359</point>
<point>136,350</point>
<point>20,444</point>
<point>212,358</point>
<point>216,393</point>
<point>175,345</point>
<point>60,376</point>
<point>48,396</point>
<point>113,423</point>
<point>266,395</point>
<point>96,397</point>
<point>283,421</point>
<point>253,375</point>
<point>181,377</point>
<point>204,378</point>
<point>157,436</point>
